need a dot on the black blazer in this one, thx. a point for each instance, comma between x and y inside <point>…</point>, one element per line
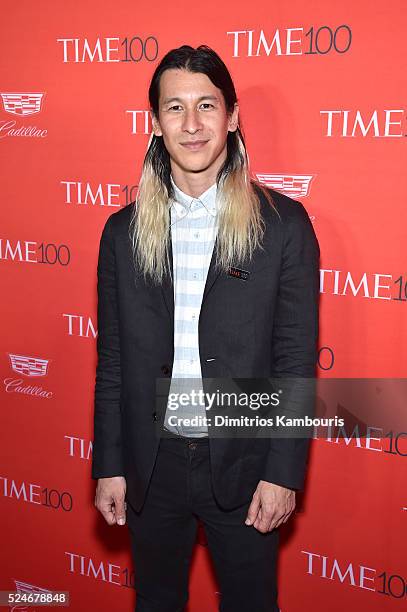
<point>264,326</point>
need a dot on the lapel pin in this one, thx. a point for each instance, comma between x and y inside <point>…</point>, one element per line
<point>238,273</point>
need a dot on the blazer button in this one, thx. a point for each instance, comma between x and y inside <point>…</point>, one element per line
<point>155,417</point>
<point>165,369</point>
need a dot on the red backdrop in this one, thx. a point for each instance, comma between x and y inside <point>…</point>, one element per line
<point>322,93</point>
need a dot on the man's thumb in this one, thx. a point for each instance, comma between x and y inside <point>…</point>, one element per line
<point>120,511</point>
<point>252,513</point>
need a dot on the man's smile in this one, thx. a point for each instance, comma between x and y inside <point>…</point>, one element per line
<point>194,145</point>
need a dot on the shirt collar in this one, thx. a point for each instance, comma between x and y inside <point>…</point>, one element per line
<point>182,202</point>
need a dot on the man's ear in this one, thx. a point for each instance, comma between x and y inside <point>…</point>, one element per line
<point>156,125</point>
<point>234,119</point>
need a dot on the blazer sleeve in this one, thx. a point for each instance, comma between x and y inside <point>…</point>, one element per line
<point>107,440</point>
<point>295,337</point>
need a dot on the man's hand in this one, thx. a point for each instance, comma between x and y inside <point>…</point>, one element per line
<point>109,499</point>
<point>271,506</point>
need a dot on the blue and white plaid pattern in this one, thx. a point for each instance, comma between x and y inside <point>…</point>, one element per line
<point>193,231</point>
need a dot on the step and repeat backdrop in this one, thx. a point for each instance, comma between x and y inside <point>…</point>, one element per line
<point>322,90</point>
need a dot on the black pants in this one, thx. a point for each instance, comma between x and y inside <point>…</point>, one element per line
<point>163,534</point>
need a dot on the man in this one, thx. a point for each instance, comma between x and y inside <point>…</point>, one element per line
<point>207,275</point>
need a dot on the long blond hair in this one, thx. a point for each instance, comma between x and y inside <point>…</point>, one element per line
<point>240,223</point>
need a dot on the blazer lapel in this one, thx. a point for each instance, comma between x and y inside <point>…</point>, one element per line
<point>213,273</point>
<point>167,285</point>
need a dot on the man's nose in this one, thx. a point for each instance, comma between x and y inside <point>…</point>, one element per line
<point>192,122</point>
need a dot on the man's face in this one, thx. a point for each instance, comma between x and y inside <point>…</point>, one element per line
<point>193,121</point>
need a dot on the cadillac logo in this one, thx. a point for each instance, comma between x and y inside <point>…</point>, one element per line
<point>22,103</point>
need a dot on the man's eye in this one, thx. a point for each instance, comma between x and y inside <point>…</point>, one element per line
<point>207,104</point>
<point>174,107</point>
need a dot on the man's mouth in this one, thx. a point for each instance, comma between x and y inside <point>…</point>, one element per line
<point>194,145</point>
